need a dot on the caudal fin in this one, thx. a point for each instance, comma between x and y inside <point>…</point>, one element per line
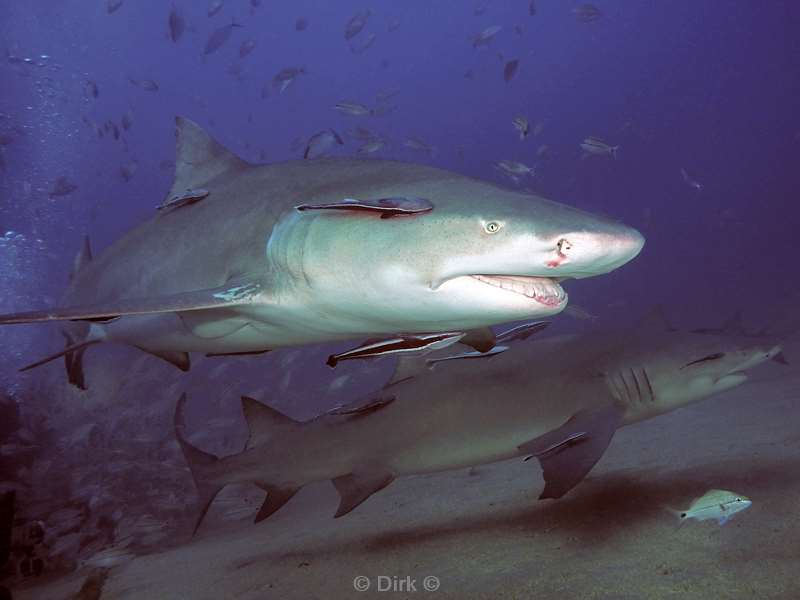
<point>200,464</point>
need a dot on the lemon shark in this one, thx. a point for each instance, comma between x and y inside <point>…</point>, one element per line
<point>246,258</point>
<point>557,399</point>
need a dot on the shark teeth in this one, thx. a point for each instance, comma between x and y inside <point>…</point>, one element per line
<point>543,290</point>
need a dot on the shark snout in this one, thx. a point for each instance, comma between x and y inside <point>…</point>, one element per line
<point>585,254</point>
<point>758,356</point>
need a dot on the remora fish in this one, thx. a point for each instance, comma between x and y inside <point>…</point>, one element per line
<point>559,400</point>
<point>421,344</point>
<point>244,271</point>
<point>720,505</point>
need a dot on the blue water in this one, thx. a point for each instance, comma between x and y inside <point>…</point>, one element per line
<point>704,86</point>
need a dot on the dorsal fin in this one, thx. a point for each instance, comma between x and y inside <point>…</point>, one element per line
<point>82,258</point>
<point>263,421</point>
<point>199,158</point>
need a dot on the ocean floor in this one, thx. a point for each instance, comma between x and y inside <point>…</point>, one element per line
<point>483,534</point>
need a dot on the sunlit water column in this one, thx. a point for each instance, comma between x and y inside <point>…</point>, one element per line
<point>37,115</point>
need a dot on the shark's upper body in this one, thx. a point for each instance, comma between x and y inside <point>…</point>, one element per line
<point>247,258</point>
<point>558,399</point>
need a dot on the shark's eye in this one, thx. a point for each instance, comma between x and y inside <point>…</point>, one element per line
<point>704,359</point>
<point>492,227</point>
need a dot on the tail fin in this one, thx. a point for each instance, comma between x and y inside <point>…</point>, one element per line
<point>200,464</point>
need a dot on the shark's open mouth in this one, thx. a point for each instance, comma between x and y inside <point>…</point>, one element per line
<point>542,289</point>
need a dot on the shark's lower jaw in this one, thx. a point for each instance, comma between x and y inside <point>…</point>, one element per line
<point>541,289</point>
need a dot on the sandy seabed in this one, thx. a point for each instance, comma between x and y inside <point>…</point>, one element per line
<point>485,535</point>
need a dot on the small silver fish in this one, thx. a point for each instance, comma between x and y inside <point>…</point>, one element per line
<point>690,181</point>
<point>596,146</point>
<point>371,146</point>
<point>219,37</point>
<point>586,13</point>
<point>352,108</point>
<point>485,36</point>
<point>419,145</point>
<point>287,76</point>
<point>148,85</point>
<point>356,24</point>
<point>512,167</point>
<point>714,504</point>
<point>522,125</point>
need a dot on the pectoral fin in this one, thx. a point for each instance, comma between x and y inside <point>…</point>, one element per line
<point>237,292</point>
<point>568,453</point>
<point>482,339</point>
